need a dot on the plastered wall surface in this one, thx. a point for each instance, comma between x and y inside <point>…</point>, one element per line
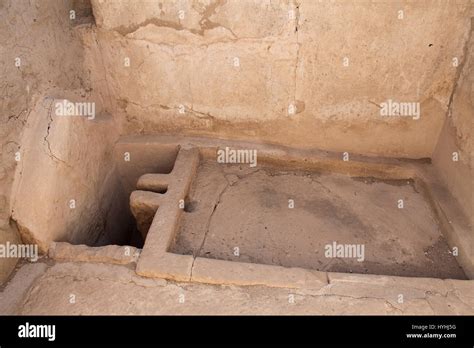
<point>300,73</point>
<point>454,152</point>
<point>42,60</point>
<point>37,52</point>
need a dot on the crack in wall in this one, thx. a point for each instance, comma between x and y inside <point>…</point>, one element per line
<point>15,117</point>
<point>460,69</point>
<point>45,138</point>
<point>466,51</point>
<point>297,24</point>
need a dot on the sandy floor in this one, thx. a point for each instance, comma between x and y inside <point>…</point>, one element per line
<point>235,206</point>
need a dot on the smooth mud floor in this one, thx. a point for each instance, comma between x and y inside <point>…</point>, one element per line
<point>239,213</point>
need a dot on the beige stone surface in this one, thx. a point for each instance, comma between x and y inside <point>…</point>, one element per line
<point>65,162</point>
<point>113,254</point>
<point>165,265</point>
<point>292,55</point>
<point>13,292</point>
<point>380,286</point>
<point>38,35</point>
<point>154,260</point>
<point>144,205</point>
<point>453,159</point>
<point>236,206</point>
<point>456,225</point>
<point>112,289</point>
<point>240,273</point>
<point>463,290</point>
<point>263,71</point>
<point>424,252</point>
<point>146,149</point>
<point>457,136</point>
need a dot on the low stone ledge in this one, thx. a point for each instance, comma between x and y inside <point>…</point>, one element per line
<point>113,254</point>
<point>167,265</point>
<point>382,286</point>
<point>153,182</point>
<point>239,273</point>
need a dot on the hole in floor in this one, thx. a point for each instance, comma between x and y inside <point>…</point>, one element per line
<point>189,205</point>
